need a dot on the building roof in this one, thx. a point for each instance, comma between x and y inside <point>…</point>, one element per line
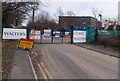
<point>77,17</point>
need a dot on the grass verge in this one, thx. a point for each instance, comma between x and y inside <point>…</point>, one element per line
<point>8,49</point>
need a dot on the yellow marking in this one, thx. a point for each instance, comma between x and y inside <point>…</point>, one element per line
<point>45,77</point>
<point>35,52</point>
<point>47,71</point>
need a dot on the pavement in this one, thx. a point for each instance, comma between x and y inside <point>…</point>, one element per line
<point>66,61</point>
<point>0,61</point>
<point>101,49</point>
<point>22,67</point>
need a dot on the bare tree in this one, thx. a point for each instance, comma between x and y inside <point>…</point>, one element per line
<point>96,12</point>
<point>70,13</point>
<point>43,20</point>
<point>58,13</point>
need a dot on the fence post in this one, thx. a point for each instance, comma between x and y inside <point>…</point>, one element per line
<point>71,36</point>
<point>96,35</point>
<point>52,36</point>
<point>28,33</point>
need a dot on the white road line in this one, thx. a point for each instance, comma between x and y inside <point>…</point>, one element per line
<point>35,75</point>
<point>44,75</point>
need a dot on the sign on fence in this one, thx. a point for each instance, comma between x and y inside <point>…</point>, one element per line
<point>26,43</point>
<point>57,34</point>
<point>47,34</point>
<point>37,34</point>
<point>10,33</point>
<point>79,36</point>
<point>67,35</point>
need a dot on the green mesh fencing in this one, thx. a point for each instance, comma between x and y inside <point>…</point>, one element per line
<point>90,35</point>
<point>108,33</point>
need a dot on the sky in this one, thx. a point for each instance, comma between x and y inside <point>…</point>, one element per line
<point>108,8</point>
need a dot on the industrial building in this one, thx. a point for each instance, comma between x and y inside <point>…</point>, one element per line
<point>119,12</point>
<point>84,21</point>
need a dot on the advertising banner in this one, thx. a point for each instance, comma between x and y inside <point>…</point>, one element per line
<point>57,34</point>
<point>11,33</point>
<point>67,35</point>
<point>37,34</point>
<point>47,34</point>
<point>32,34</point>
<point>79,36</point>
<point>26,43</point>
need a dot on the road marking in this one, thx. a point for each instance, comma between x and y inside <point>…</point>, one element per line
<point>35,75</point>
<point>35,52</point>
<point>42,64</point>
<point>46,71</point>
<point>45,77</point>
<point>48,74</point>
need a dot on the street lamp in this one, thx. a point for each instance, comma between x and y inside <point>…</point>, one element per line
<point>100,17</point>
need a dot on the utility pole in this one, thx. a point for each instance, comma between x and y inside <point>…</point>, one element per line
<point>33,15</point>
<point>16,19</point>
<point>100,17</point>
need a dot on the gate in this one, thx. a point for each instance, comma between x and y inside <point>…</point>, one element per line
<point>48,36</point>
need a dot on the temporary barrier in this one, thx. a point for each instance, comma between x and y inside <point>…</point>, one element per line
<point>77,34</point>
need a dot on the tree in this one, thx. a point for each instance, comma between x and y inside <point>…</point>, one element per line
<point>42,21</point>
<point>58,13</point>
<point>97,13</point>
<point>70,13</point>
<point>17,11</point>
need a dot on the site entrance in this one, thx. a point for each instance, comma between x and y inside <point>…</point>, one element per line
<point>48,36</point>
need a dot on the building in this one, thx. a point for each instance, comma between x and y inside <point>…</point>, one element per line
<point>119,12</point>
<point>84,21</point>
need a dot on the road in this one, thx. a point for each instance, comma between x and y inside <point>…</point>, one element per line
<point>66,61</point>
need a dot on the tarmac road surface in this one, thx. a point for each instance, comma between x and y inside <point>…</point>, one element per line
<point>66,61</point>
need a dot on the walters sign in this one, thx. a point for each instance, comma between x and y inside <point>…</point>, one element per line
<point>10,33</point>
<point>79,36</point>
<point>26,43</point>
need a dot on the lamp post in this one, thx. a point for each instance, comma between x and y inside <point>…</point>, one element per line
<point>100,17</point>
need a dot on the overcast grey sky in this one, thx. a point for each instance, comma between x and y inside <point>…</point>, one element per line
<point>109,8</point>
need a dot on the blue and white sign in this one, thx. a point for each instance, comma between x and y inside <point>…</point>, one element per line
<point>79,36</point>
<point>10,33</point>
<point>57,34</point>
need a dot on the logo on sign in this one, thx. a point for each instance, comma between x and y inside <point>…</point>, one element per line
<point>14,33</point>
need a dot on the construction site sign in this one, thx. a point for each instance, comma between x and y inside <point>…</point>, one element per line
<point>26,43</point>
<point>47,34</point>
<point>79,36</point>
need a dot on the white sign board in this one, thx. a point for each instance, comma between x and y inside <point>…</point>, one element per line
<point>37,32</point>
<point>10,33</point>
<point>79,36</point>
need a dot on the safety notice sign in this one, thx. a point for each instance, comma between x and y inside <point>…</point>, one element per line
<point>26,43</point>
